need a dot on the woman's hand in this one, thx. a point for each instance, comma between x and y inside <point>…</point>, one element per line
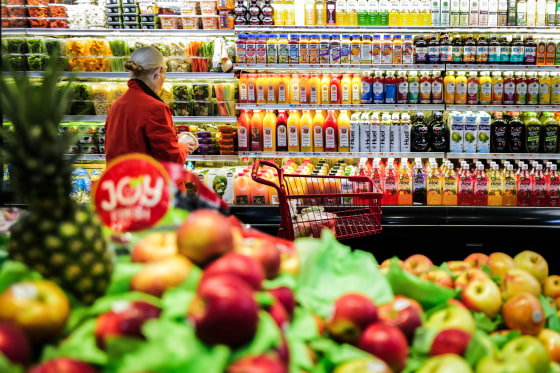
<point>190,140</point>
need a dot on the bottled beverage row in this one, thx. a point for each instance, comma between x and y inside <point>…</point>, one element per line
<point>483,13</point>
<point>396,49</point>
<point>402,87</point>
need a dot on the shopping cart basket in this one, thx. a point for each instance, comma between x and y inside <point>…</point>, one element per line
<point>349,205</point>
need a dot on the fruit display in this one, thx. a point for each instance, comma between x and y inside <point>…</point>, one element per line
<point>215,294</point>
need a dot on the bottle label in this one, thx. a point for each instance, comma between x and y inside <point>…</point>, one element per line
<point>303,94</point>
<point>260,93</point>
<point>318,137</point>
<point>334,94</point>
<point>251,93</point>
<point>240,53</point>
<point>469,53</point>
<point>425,89</point>
<point>421,54</point>
<point>283,54</point>
<point>324,93</point>
<point>403,90</point>
<point>250,53</point>
<point>343,138</point>
<point>314,56</point>
<point>281,93</point>
<point>243,92</point>
<point>482,53</point>
<point>255,139</point>
<point>281,137</point>
<point>504,53</point>
<point>272,53</point>
<point>533,93</point>
<point>486,90</point>
<point>494,53</point>
<point>433,53</point>
<point>242,137</point>
<point>305,137</point>
<point>303,53</point>
<point>345,53</point>
<point>293,140</point>
<point>270,94</point>
<point>480,187</point>
<point>530,55</point>
<point>413,91</point>
<point>437,91</point>
<point>295,93</point>
<point>345,93</point>
<point>313,96</point>
<point>294,53</point>
<point>445,54</point>
<point>324,52</point>
<point>261,53</point>
<point>356,92</point>
<point>462,88</point>
<point>330,138</point>
<point>390,93</point>
<point>457,53</point>
<point>472,88</point>
<point>366,53</point>
<point>408,53</point>
<point>509,90</point>
<point>335,54</point>
<point>517,54</point>
<point>367,94</point>
<point>267,139</point>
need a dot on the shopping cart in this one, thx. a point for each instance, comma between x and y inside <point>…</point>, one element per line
<point>348,205</point>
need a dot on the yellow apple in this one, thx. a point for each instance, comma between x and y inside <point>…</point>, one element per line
<point>551,341</point>
<point>551,287</point>
<point>158,276</point>
<point>500,263</point>
<point>532,262</point>
<point>517,281</point>
<point>154,246</point>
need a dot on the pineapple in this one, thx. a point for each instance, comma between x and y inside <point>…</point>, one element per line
<point>58,238</point>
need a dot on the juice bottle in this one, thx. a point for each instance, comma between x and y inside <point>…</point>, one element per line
<point>243,126</point>
<point>378,87</point>
<point>331,130</point>
<point>269,131</point>
<point>482,50</point>
<point>294,91</point>
<point>433,185</point>
<point>413,87</point>
<point>278,12</point>
<point>283,49</point>
<point>465,186</point>
<point>550,52</point>
<point>242,189</point>
<point>494,50</point>
<point>497,88</point>
<point>252,88</point>
<point>544,88</point>
<point>445,53</point>
<point>343,131</point>
<point>461,88</point>
<point>306,132</point>
<point>524,186</point>
<point>243,88</point>
<point>345,49</point>
<point>320,13</point>
<point>356,89</point>
<point>495,186</point>
<point>259,192</point>
<point>520,88</point>
<point>437,88</point>
<point>346,89</point>
<point>304,50</point>
<point>390,88</point>
<point>284,89</point>
<point>553,187</point>
<point>498,134</point>
<point>532,88</point>
<point>272,88</point>
<point>404,185</point>
<point>251,49</point>
<point>335,89</point>
<point>449,87</point>
<point>334,50</point>
<point>480,189</point>
<point>509,196</point>
<point>256,134</point>
<point>419,194</point>
<point>341,12</point>
<point>390,187</point>
<point>315,89</point>
<point>290,13</point>
<point>516,134</point>
<point>386,50</point>
<point>314,49</point>
<point>402,87</point>
<point>433,49</point>
<point>318,132</point>
<point>293,131</point>
<point>241,48</point>
<point>397,50</point>
<point>261,47</point>
<point>366,50</point>
<point>324,49</point>
<point>351,13</point>
<point>541,52</point>
<point>373,13</point>
<point>356,49</point>
<point>331,12</point>
<point>533,129</point>
<point>304,88</point>
<point>530,51</point>
<point>261,84</point>
<point>472,88</point>
<point>394,13</point>
<point>425,87</point>
<point>408,50</point>
<point>293,55</point>
<point>538,187</point>
<point>309,15</point>
<point>485,88</point>
<point>509,88</point>
<point>550,133</point>
<point>367,88</point>
<point>282,131</point>
<point>325,88</point>
<point>449,197</point>
<point>272,49</point>
<point>554,88</point>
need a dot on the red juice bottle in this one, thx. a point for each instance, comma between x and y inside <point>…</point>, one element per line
<point>282,131</point>
<point>390,196</point>
<point>480,186</point>
<point>509,88</point>
<point>553,187</point>
<point>334,89</point>
<point>538,187</point>
<point>402,87</point>
<point>243,130</point>
<point>465,185</point>
<point>437,88</point>
<point>331,129</point>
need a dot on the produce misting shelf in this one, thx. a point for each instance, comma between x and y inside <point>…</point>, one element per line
<point>116,32</point>
<point>345,67</point>
<point>526,156</point>
<point>126,75</point>
<point>504,107</point>
<point>341,107</point>
<point>178,119</point>
<point>498,67</point>
<point>341,155</point>
<point>392,29</point>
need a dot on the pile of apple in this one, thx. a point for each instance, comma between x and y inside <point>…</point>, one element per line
<point>513,294</point>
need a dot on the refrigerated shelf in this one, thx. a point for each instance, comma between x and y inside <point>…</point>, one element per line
<point>341,107</point>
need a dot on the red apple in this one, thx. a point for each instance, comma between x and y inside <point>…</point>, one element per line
<point>286,296</point>
<point>467,276</point>
<point>258,364</point>
<point>387,343</point>
<point>417,264</point>
<point>154,246</point>
<point>124,320</point>
<point>551,341</point>
<point>40,308</point>
<point>14,344</point>
<point>477,260</point>
<point>242,266</point>
<point>158,276</point>
<point>450,341</point>
<point>265,251</point>
<point>402,312</point>
<point>438,276</point>
<point>204,236</point>
<point>500,263</point>
<point>352,313</point>
<point>524,312</point>
<point>482,296</point>
<point>224,311</point>
<point>63,365</point>
<point>456,267</point>
<point>517,281</point>
<point>551,286</point>
<point>532,262</point>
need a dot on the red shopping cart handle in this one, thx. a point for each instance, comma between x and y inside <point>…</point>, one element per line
<point>255,173</point>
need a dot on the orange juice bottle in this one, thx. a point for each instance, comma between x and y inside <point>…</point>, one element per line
<point>325,89</point>
<point>404,185</point>
<point>315,89</point>
<point>343,131</point>
<point>261,84</point>
<point>294,91</point>
<point>272,89</point>
<point>243,129</point>
<point>251,88</point>
<point>433,185</point>
<point>306,131</point>
<point>256,134</point>
<point>449,193</point>
<point>293,131</point>
<point>449,87</point>
<point>346,88</point>
<point>242,189</point>
<point>269,131</point>
<point>331,131</point>
<point>304,88</point>
<point>461,88</point>
<point>259,192</point>
<point>318,132</point>
<point>284,88</point>
<point>243,88</point>
<point>356,89</point>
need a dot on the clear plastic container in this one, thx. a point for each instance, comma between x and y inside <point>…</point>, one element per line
<point>169,22</point>
<point>190,22</point>
<point>37,11</point>
<point>35,45</point>
<point>55,22</point>
<point>58,10</point>
<point>38,22</point>
<point>14,11</point>
<point>36,62</point>
<point>200,64</point>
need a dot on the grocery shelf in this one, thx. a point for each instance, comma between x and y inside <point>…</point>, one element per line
<point>213,158</point>
<point>392,29</point>
<point>126,75</point>
<point>84,118</point>
<point>504,107</point>
<point>178,119</point>
<point>498,67</point>
<point>337,67</point>
<point>536,156</point>
<point>85,157</point>
<point>116,32</point>
<point>341,107</point>
<point>340,155</point>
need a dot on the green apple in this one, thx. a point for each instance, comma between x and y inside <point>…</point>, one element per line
<point>500,363</point>
<point>452,317</point>
<point>371,365</point>
<point>554,367</point>
<point>447,363</point>
<point>532,349</point>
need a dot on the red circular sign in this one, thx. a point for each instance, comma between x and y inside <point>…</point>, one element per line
<point>133,194</point>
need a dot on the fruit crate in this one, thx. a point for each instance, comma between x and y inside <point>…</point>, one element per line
<point>348,205</point>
